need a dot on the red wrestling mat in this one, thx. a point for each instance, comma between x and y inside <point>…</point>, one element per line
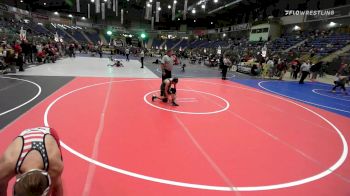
<point>224,139</point>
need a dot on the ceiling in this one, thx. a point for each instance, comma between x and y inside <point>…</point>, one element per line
<point>232,12</point>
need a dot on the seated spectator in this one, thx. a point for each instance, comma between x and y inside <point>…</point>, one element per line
<point>41,56</point>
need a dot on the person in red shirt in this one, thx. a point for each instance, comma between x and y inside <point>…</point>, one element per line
<point>17,48</point>
<point>18,55</point>
<point>341,68</point>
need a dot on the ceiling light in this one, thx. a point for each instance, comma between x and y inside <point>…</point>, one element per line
<point>193,11</point>
<point>296,28</point>
<point>332,24</point>
<point>215,1</point>
<point>203,6</point>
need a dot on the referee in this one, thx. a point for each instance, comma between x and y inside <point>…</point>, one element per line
<point>167,65</point>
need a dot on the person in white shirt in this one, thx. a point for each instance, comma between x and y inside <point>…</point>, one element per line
<point>142,55</point>
<point>305,71</point>
<point>226,64</point>
<point>270,68</point>
<point>127,53</point>
<point>167,65</point>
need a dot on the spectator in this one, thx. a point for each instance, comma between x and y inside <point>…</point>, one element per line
<point>226,64</point>
<point>315,70</point>
<point>305,71</point>
<point>142,56</point>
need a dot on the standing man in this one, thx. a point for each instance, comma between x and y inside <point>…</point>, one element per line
<point>167,65</point>
<point>71,50</point>
<point>127,53</point>
<point>305,71</point>
<point>35,158</point>
<point>142,55</point>
<point>226,63</point>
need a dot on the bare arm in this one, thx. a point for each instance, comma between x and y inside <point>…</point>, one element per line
<point>5,176</point>
<point>7,169</point>
<point>56,166</point>
<point>56,170</point>
<point>57,187</point>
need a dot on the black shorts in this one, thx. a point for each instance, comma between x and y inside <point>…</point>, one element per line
<point>166,75</point>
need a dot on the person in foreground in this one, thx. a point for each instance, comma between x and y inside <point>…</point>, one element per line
<point>35,158</point>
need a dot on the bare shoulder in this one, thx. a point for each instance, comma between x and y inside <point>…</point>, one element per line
<point>9,158</point>
<point>11,154</point>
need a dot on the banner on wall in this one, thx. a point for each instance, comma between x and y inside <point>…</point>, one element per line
<point>40,17</point>
<point>97,6</point>
<point>103,10</point>
<point>89,14</point>
<point>152,23</point>
<point>78,5</point>
<point>122,16</point>
<point>109,4</point>
<point>200,32</point>
<point>83,24</point>
<point>61,21</point>
<point>225,29</point>
<point>185,10</point>
<point>157,11</point>
<point>173,11</point>
<point>241,27</point>
<point>146,12</point>
<point>150,13</point>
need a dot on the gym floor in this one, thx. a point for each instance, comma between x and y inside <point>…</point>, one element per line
<point>242,136</point>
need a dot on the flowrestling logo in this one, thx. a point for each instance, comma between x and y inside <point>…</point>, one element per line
<point>309,12</point>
